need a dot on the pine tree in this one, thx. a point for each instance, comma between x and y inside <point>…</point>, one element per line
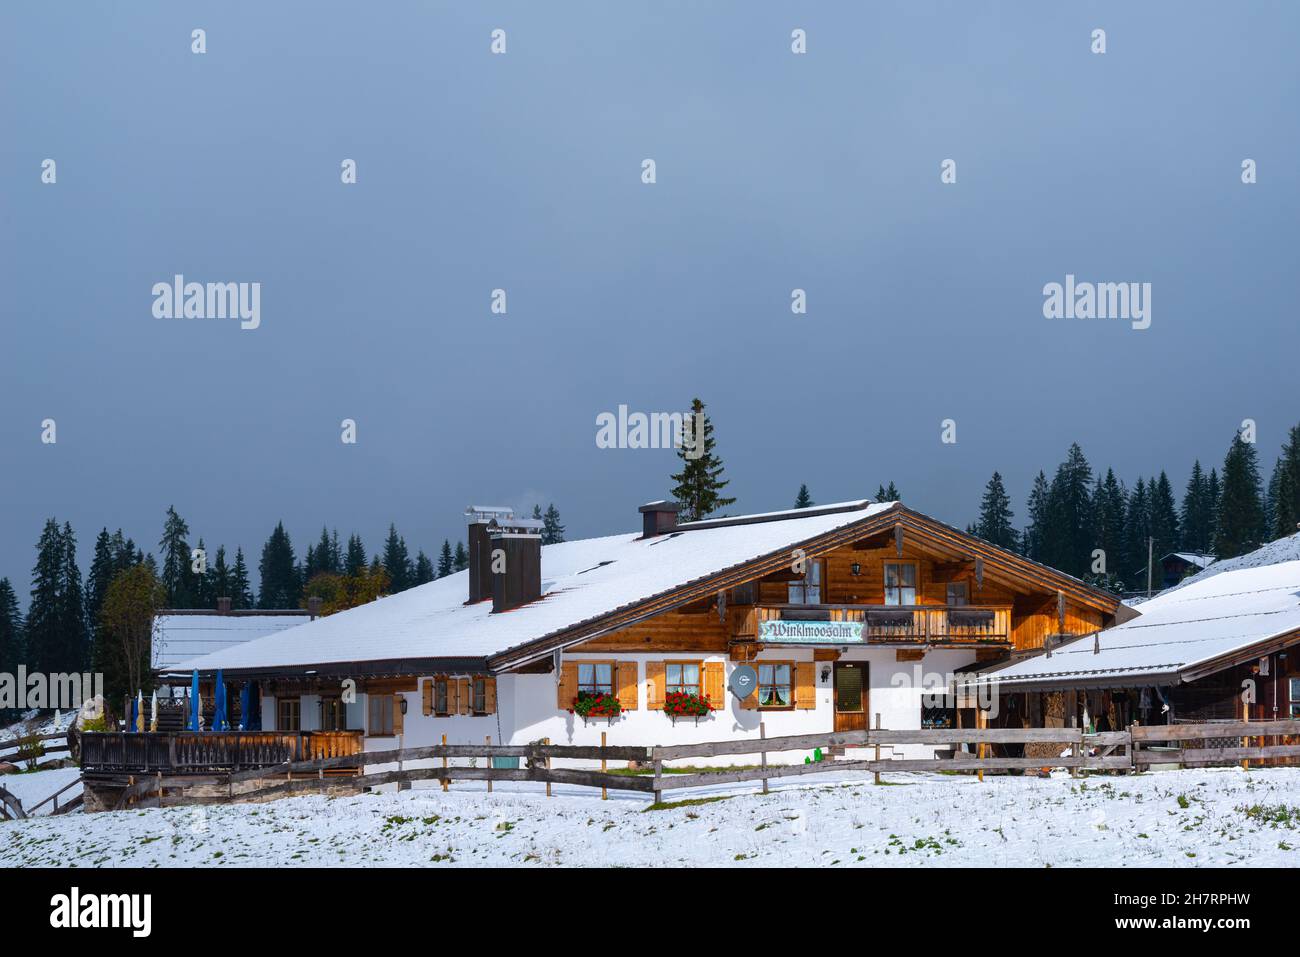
<point>218,580</point>
<point>1108,525</point>
<point>11,637</point>
<point>423,568</point>
<point>1034,539</point>
<point>1284,488</point>
<point>1069,533</point>
<point>1137,526</point>
<point>804,498</point>
<point>445,562</point>
<point>1164,516</point>
<point>699,483</point>
<point>42,628</point>
<point>355,563</point>
<point>241,589</point>
<point>176,576</point>
<point>888,494</point>
<point>1240,527</point>
<point>461,560</point>
<point>994,524</point>
<point>552,530</point>
<point>397,562</point>
<point>280,585</point>
<point>1213,492</point>
<point>1197,529</point>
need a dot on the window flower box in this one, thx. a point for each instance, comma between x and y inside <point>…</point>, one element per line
<point>684,704</point>
<point>592,706</point>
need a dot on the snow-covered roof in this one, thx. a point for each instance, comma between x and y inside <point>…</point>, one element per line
<point>581,580</point>
<point>1180,628</point>
<point>1283,550</point>
<point>180,637</point>
<point>1193,558</point>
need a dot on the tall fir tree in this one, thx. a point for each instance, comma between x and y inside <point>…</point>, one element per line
<point>1070,533</point>
<point>279,572</point>
<point>700,483</point>
<point>423,568</point>
<point>355,562</point>
<point>1108,526</point>
<point>218,580</point>
<point>804,498</point>
<point>1164,516</point>
<point>552,530</point>
<point>1284,488</point>
<point>42,629</point>
<point>397,562</point>
<point>888,493</point>
<point>1137,529</point>
<point>11,638</point>
<point>175,574</point>
<point>1213,491</point>
<point>1196,521</point>
<point>241,588</point>
<point>994,523</point>
<point>1035,537</point>
<point>72,609</point>
<point>446,564</point>
<point>460,560</point>
<point>1240,527</point>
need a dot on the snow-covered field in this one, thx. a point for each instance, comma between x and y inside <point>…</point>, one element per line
<point>35,787</point>
<point>1180,818</point>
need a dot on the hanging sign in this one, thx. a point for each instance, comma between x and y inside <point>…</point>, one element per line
<point>811,632</point>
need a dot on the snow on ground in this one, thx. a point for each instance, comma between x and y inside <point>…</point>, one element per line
<point>34,787</point>
<point>1177,818</point>
<point>32,723</point>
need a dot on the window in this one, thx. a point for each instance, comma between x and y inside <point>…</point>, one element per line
<point>900,583</point>
<point>333,714</point>
<point>478,696</point>
<point>441,696</point>
<point>808,590</point>
<point>774,685</point>
<point>1295,697</point>
<point>957,593</point>
<point>594,678</point>
<point>381,715</point>
<point>288,714</point>
<point>682,676</point>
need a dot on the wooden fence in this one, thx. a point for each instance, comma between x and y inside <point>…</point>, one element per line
<point>11,749</point>
<point>1079,751</point>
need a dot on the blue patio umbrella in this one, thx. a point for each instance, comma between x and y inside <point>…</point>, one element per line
<point>134,715</point>
<point>194,701</point>
<point>243,707</point>
<point>219,720</point>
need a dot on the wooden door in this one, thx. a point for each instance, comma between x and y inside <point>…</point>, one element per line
<point>851,695</point>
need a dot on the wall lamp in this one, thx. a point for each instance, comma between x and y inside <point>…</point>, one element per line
<point>855,569</point>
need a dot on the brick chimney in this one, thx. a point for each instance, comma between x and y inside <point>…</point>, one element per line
<point>658,518</point>
<point>515,559</point>
<point>480,549</point>
<point>223,606</point>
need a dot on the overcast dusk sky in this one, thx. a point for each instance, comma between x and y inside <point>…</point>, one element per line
<point>523,171</point>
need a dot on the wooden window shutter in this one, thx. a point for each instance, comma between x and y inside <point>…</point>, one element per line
<point>490,695</point>
<point>805,686</point>
<point>464,695</point>
<point>567,689</point>
<point>397,714</point>
<point>629,691</point>
<point>715,684</point>
<point>428,697</point>
<point>658,686</point>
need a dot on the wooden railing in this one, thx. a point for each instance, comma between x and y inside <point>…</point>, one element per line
<point>964,624</point>
<point>199,752</point>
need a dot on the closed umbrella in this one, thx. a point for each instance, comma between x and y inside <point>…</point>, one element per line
<point>131,727</point>
<point>194,701</point>
<point>153,712</point>
<point>244,724</point>
<point>138,711</point>
<point>219,722</point>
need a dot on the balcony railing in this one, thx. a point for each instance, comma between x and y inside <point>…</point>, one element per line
<point>188,752</point>
<point>908,624</point>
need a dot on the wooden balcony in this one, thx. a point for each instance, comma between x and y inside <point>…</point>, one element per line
<point>202,752</point>
<point>892,624</point>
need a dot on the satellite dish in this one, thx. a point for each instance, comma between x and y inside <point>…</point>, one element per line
<point>744,681</point>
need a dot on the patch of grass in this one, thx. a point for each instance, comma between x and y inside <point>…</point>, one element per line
<point>1274,815</point>
<point>689,802</point>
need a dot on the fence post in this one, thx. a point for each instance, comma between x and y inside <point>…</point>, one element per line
<point>547,741</point>
<point>444,765</point>
<point>604,796</point>
<point>877,775</point>
<point>1245,741</point>
<point>1074,745</point>
<point>762,755</point>
<point>981,721</point>
<point>659,771</point>
<point>489,764</point>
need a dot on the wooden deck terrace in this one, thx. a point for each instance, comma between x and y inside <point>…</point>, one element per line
<point>114,753</point>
